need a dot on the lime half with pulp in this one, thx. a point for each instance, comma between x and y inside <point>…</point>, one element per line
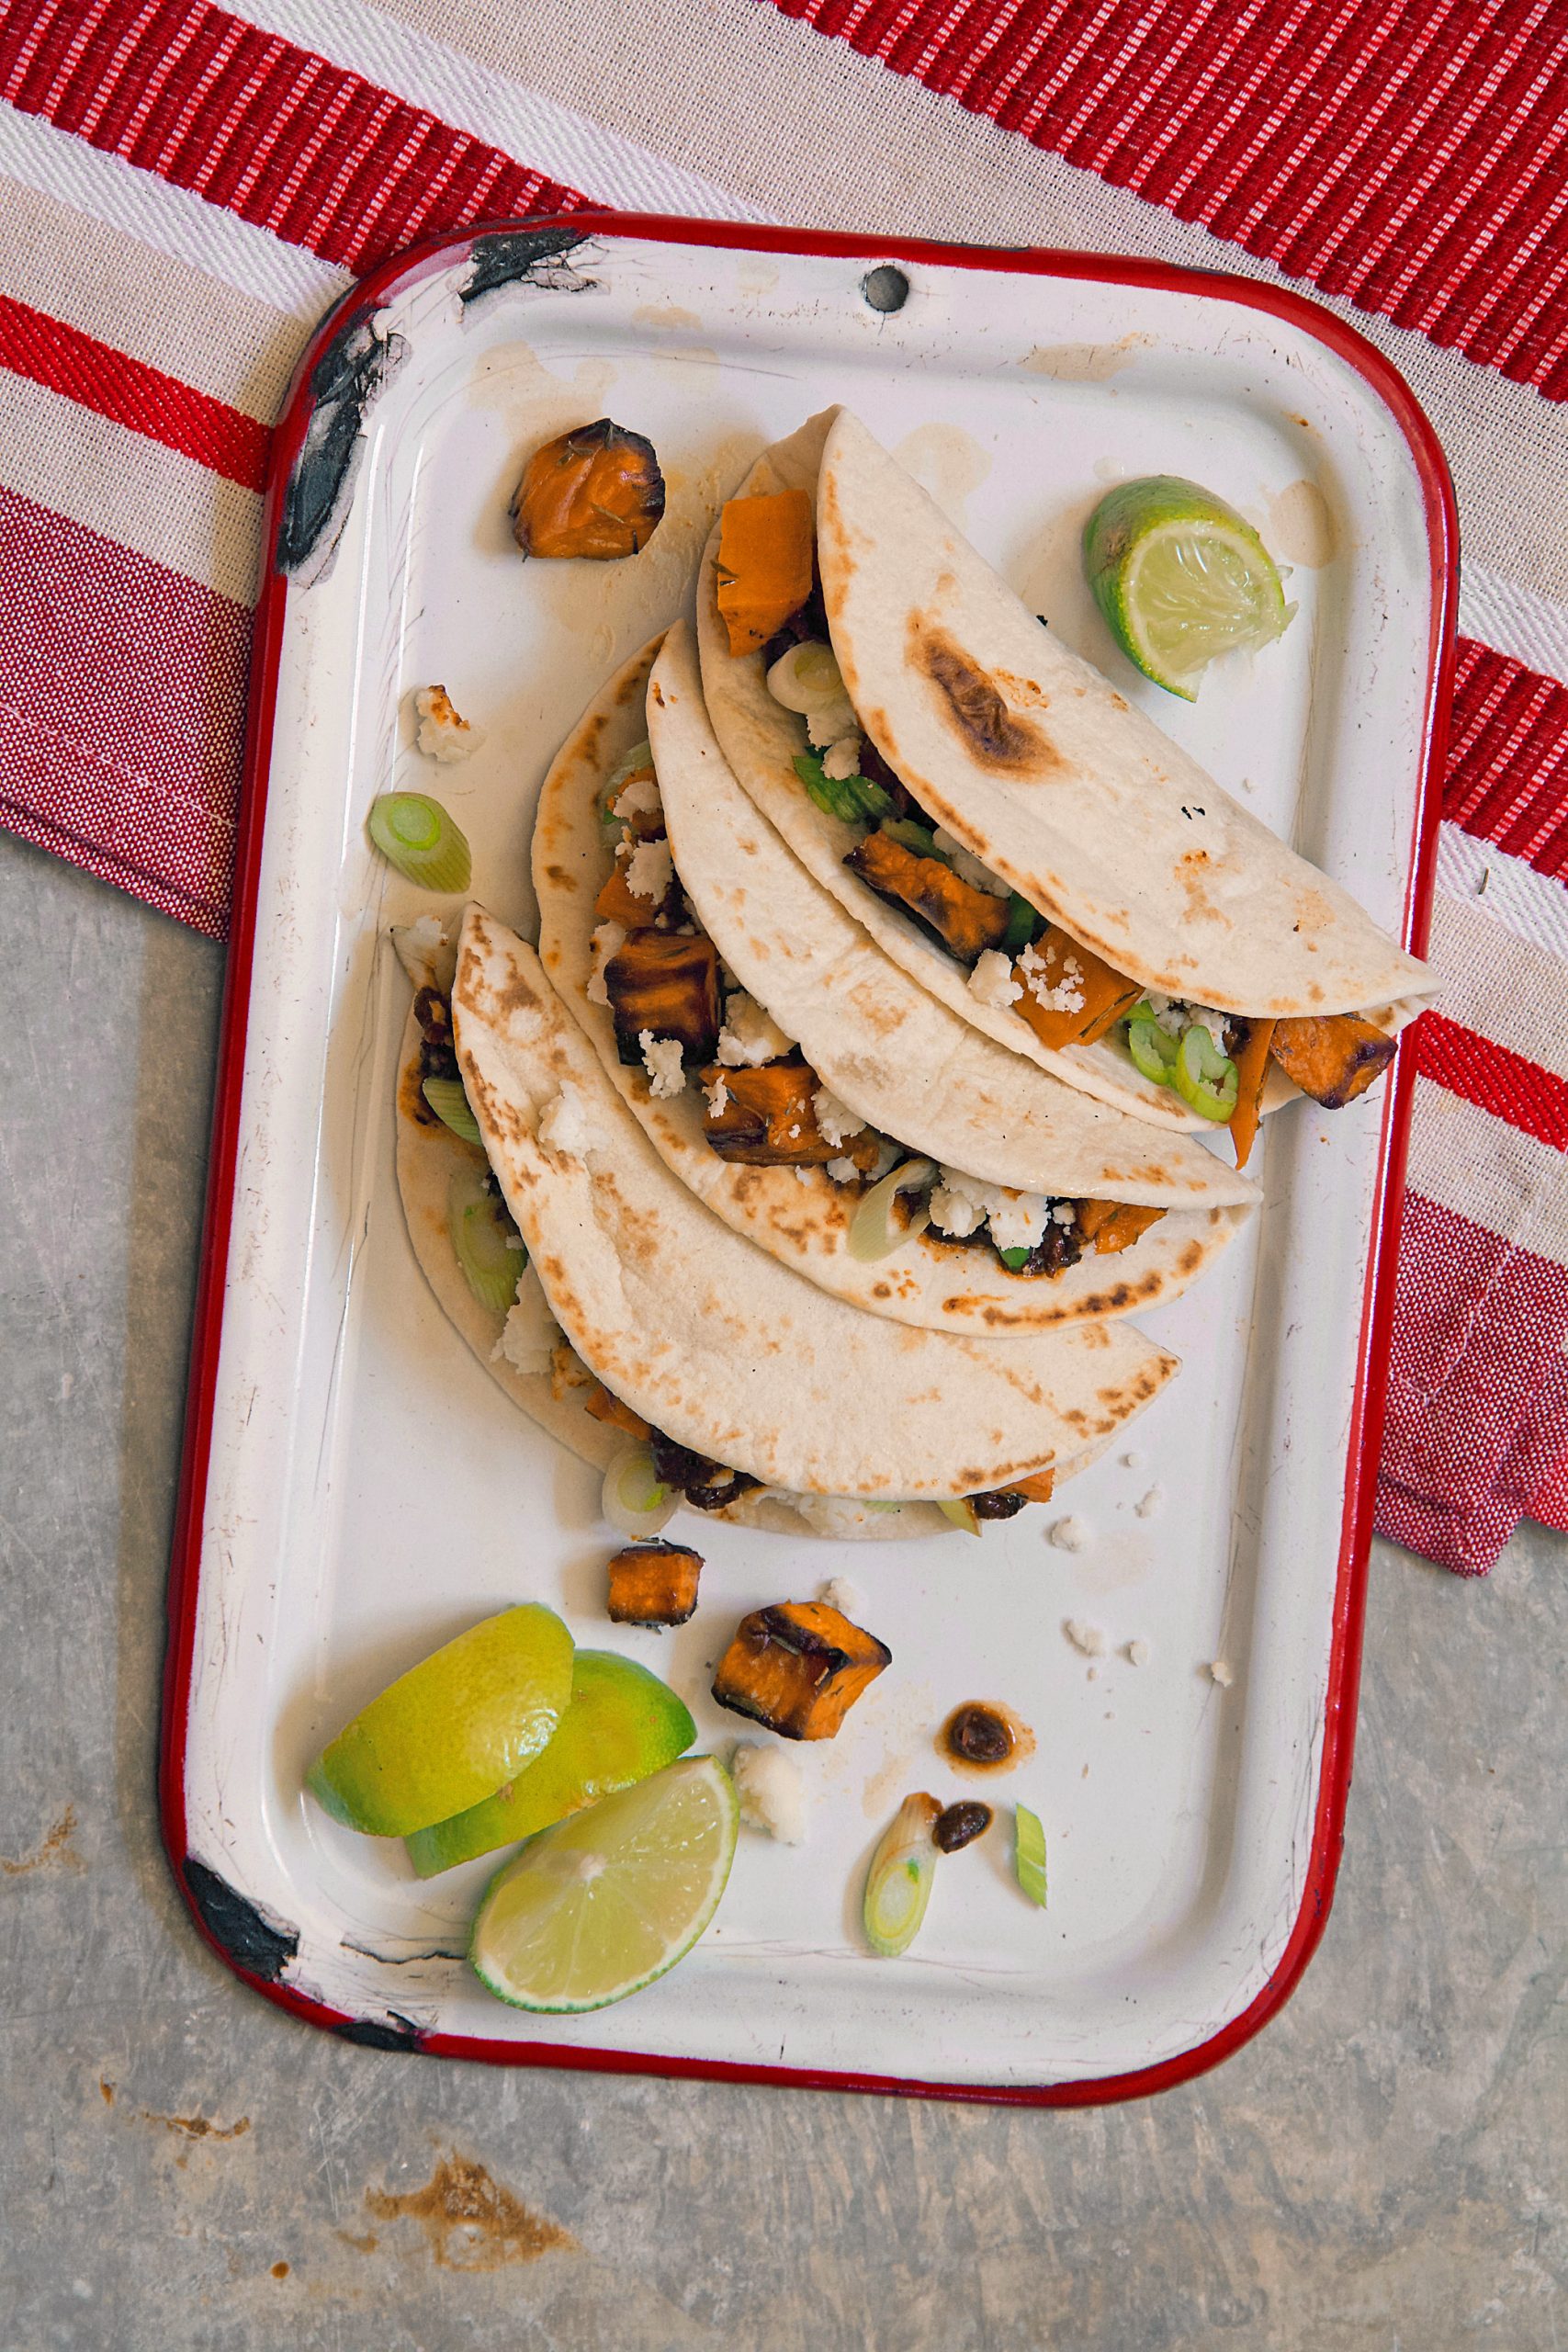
<point>1180,579</point>
<point>608,1899</point>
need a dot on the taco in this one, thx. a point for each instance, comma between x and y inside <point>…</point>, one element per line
<point>801,1086</point>
<point>1018,837</point>
<point>637,1318</point>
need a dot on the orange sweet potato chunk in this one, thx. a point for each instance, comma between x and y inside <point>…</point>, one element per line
<point>1251,1061</point>
<point>798,1666</point>
<point>654,1584</point>
<point>1070,997</point>
<point>604,1407</point>
<point>765,548</point>
<point>1113,1226</point>
<point>1334,1058</point>
<point>966,919</point>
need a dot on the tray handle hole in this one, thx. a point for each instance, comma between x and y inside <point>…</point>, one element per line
<point>884,288</point>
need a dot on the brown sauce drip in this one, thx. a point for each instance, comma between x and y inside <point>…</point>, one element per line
<point>983,1735</point>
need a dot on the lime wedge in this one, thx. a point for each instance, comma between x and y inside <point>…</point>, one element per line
<point>452,1729</point>
<point>1180,579</point>
<point>608,1900</point>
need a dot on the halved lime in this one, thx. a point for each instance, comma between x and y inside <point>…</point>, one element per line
<point>608,1900</point>
<point>1180,579</point>
<point>452,1729</point>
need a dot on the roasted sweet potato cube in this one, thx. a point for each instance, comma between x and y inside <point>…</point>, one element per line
<point>1333,1059</point>
<point>966,920</point>
<point>596,492</point>
<point>663,982</point>
<point>765,1117</point>
<point>765,548</point>
<point>642,824</point>
<point>654,1584</point>
<point>1250,1055</point>
<point>606,1407</point>
<point>1070,997</point>
<point>1037,1488</point>
<point>798,1666</point>
<point>1112,1226</point>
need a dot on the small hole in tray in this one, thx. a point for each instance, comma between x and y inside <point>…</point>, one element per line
<point>884,288</point>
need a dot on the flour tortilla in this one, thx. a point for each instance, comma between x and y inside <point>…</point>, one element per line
<point>880,1044</point>
<point>716,1343</point>
<point>428,1157</point>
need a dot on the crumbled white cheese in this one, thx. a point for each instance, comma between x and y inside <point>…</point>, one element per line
<point>827,723</point>
<point>661,1059</point>
<point>1065,1213</point>
<point>649,872</point>
<point>426,951</point>
<point>802,1175</point>
<point>1090,1639</point>
<point>1137,1653</point>
<point>770,1789</point>
<point>992,982</point>
<point>961,1204</point>
<point>1067,995</point>
<point>1201,1017</point>
<point>1070,1535</point>
<point>750,1037</point>
<point>441,733</point>
<point>1220,1672</point>
<point>969,869</point>
<point>717,1095</point>
<point>566,1128</point>
<point>530,1333</point>
<point>1152,1504</point>
<point>842,758</point>
<point>638,797</point>
<point>836,1515</point>
<point>1170,1012</point>
<point>608,939</point>
<point>842,1171</point>
<point>835,1123</point>
<point>847,1598</point>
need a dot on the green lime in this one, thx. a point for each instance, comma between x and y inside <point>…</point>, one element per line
<point>621,1724</point>
<point>452,1729</point>
<point>1180,579</point>
<point>608,1900</point>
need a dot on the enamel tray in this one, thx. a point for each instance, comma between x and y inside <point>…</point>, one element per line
<point>356,1490</point>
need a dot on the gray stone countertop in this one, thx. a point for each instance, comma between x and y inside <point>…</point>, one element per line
<point>181,2165</point>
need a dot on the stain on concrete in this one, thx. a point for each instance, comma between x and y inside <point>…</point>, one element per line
<point>54,1850</point>
<point>472,2221</point>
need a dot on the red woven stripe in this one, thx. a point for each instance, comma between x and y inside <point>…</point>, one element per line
<point>1409,154</point>
<point>113,385</point>
<point>122,704</point>
<point>1507,776</point>
<point>1493,1078</point>
<point>250,121</point>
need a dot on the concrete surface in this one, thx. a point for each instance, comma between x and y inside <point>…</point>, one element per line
<point>181,2166</point>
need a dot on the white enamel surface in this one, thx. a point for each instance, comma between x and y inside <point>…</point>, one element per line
<point>371,1491</point>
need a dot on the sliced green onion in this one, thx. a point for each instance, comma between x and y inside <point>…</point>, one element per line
<point>873,798</point>
<point>807,677</point>
<point>450,1105</point>
<point>1023,925</point>
<point>1152,1048</point>
<point>1015,1260</point>
<point>832,796</point>
<point>415,834</point>
<point>639,756</point>
<point>898,1885</point>
<point>961,1511</point>
<point>1205,1077</point>
<point>489,1246</point>
<point>873,1234</point>
<point>633,1500</point>
<point>908,835</point>
<point>1028,1853</point>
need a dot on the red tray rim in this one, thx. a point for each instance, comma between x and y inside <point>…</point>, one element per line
<point>358,302</point>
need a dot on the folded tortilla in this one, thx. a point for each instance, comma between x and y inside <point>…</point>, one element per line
<point>1034,762</point>
<point>894,1057</point>
<point>715,1342</point>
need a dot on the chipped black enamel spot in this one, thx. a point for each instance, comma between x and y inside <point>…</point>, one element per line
<point>523,257</point>
<point>350,375</point>
<point>234,1923</point>
<point>391,2032</point>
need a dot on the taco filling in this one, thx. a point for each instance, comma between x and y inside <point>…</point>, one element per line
<point>681,1017</point>
<point>1014,956</point>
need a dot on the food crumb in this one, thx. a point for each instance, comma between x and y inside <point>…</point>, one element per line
<point>1133,1460</point>
<point>1151,1504</point>
<point>842,1594</point>
<point>1094,1674</point>
<point>1070,1535</point>
<point>1137,1653</point>
<point>1222,1673</point>
<point>1090,1639</point>
<point>442,733</point>
<point>771,1792</point>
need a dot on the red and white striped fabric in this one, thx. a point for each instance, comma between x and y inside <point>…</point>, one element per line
<point>187,187</point>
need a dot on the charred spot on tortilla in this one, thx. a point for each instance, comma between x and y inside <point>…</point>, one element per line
<point>978,712</point>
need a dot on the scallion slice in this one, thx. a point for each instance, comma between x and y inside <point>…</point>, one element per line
<point>450,1105</point>
<point>489,1246</point>
<point>1028,1853</point>
<point>633,1500</point>
<point>415,834</point>
<point>1153,1049</point>
<point>1014,1260</point>
<point>961,1511</point>
<point>1205,1077</point>
<point>873,1234</point>
<point>911,836</point>
<point>898,1885</point>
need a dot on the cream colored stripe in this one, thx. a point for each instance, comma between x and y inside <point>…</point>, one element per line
<point>1507,891</point>
<point>805,131</point>
<point>158,309</point>
<point>130,489</point>
<point>1481,1168</point>
<point>1496,982</point>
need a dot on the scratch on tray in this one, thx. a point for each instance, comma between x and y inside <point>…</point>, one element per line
<point>397,1960</point>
